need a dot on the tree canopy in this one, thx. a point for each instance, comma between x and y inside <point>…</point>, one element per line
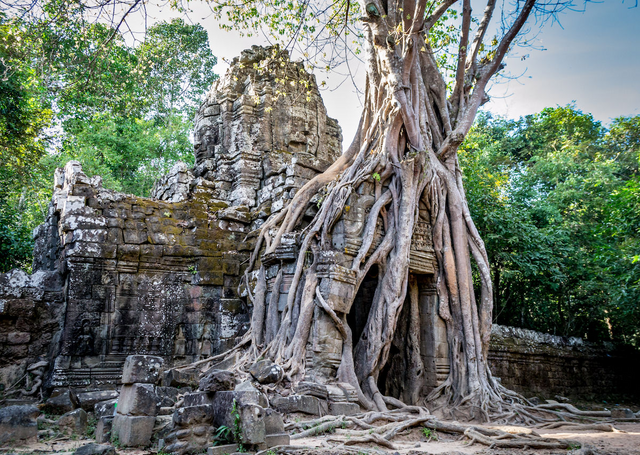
<point>75,88</point>
<point>553,195</point>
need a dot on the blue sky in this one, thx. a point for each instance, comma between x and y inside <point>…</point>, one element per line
<point>590,57</point>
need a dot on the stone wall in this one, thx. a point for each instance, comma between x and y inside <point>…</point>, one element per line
<point>143,276</point>
<point>541,364</point>
<point>30,310</point>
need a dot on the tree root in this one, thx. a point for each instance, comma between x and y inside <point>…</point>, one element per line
<point>573,410</point>
<point>607,427</point>
<point>358,429</point>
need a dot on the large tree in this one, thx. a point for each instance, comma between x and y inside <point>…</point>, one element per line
<point>413,121</point>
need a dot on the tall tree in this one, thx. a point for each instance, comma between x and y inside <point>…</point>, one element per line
<point>413,122</point>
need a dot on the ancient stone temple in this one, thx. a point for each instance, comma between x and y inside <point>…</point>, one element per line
<point>116,275</point>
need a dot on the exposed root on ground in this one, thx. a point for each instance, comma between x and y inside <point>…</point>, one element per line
<point>607,427</point>
<point>359,429</point>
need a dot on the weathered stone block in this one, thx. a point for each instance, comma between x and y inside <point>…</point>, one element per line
<point>223,450</point>
<point>343,409</point>
<point>73,422</point>
<point>18,424</point>
<point>223,404</point>
<point>217,380</point>
<point>278,439</point>
<point>133,431</point>
<point>88,400</point>
<point>134,236</point>
<point>252,423</point>
<point>192,415</point>
<point>142,369</point>
<point>198,398</point>
<point>128,253</point>
<point>103,429</point>
<point>105,408</point>
<point>167,396</point>
<point>176,378</point>
<point>138,400</point>
<point>273,423</point>
<point>18,337</point>
<point>266,372</point>
<point>300,403</point>
<point>62,403</point>
<point>95,449</point>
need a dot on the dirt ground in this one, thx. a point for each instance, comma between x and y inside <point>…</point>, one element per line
<point>626,442</point>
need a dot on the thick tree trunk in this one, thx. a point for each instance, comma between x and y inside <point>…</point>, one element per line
<point>404,157</point>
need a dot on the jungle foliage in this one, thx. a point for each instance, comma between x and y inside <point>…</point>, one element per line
<point>556,197</point>
<point>76,89</point>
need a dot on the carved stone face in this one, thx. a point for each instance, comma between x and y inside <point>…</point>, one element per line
<point>206,137</point>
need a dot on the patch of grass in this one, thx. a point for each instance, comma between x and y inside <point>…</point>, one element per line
<point>430,434</point>
<point>91,426</point>
<point>115,440</point>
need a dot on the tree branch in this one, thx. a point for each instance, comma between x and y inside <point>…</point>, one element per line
<point>477,39</point>
<point>437,14</point>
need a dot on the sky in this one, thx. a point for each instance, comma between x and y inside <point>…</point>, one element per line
<point>590,58</point>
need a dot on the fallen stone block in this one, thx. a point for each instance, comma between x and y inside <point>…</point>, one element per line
<point>73,422</point>
<point>217,380</point>
<point>141,369</point>
<point>312,388</point>
<point>105,408</point>
<point>167,396</point>
<point>182,379</point>
<point>178,447</point>
<point>344,409</point>
<point>137,400</point>
<point>88,400</point>
<point>189,440</point>
<point>252,423</point>
<point>223,404</point>
<point>95,449</point>
<point>184,417</point>
<point>18,424</point>
<point>280,439</point>
<point>266,372</point>
<point>622,413</point>
<point>132,431</point>
<point>222,450</point>
<point>301,403</point>
<point>273,423</point>
<point>103,429</point>
<point>61,403</point>
<point>198,398</point>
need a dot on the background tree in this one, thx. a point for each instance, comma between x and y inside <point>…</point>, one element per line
<point>76,89</point>
<point>551,194</point>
